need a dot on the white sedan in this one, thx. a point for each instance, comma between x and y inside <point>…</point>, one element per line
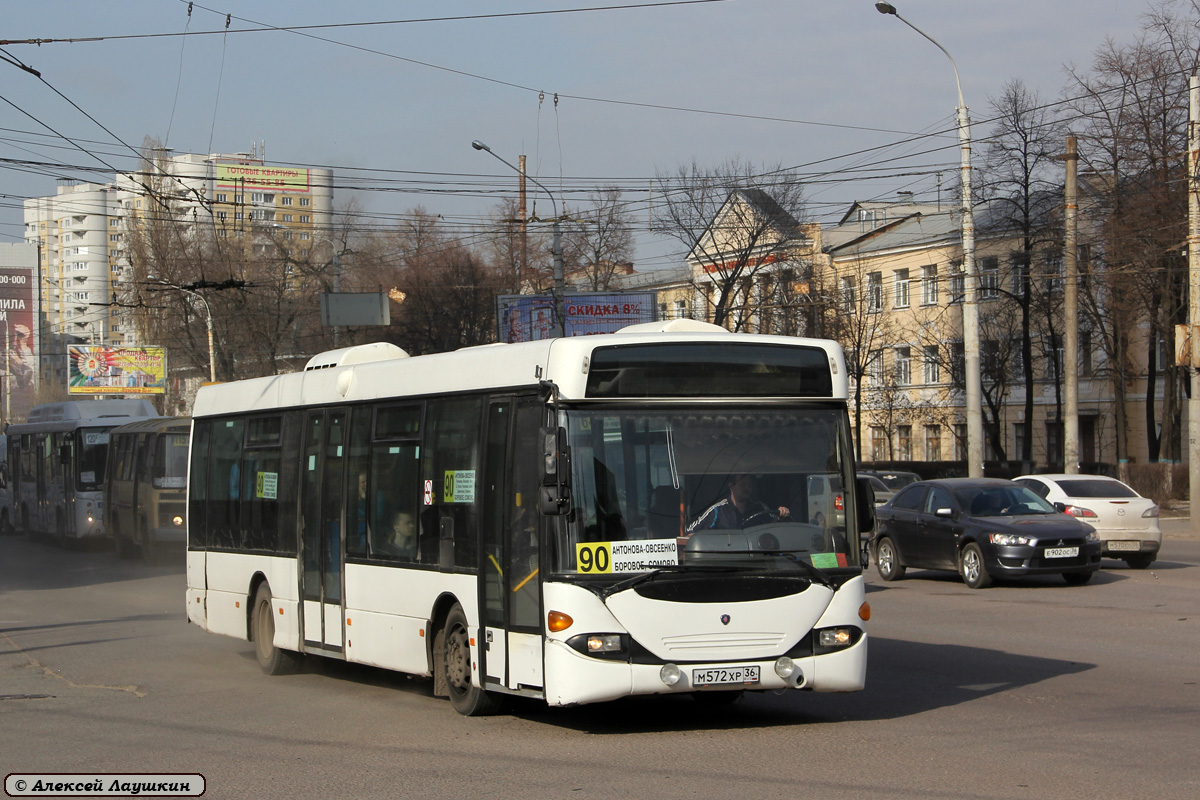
<point>1126,522</point>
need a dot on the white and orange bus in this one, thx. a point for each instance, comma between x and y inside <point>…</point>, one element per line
<point>513,519</point>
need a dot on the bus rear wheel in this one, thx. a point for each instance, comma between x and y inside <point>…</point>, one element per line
<point>467,699</point>
<point>271,659</point>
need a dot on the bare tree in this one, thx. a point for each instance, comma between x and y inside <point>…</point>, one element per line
<point>518,250</point>
<point>1019,163</point>
<point>862,328</point>
<point>448,290</point>
<point>598,241</point>
<point>735,223</point>
<point>1133,131</point>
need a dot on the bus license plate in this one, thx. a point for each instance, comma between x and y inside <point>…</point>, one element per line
<point>717,676</point>
<point>1125,545</point>
<point>1061,552</point>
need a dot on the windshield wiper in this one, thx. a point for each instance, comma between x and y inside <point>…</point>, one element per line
<point>642,577</point>
<point>817,574</point>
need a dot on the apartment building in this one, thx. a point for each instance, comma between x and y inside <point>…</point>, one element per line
<point>83,231</point>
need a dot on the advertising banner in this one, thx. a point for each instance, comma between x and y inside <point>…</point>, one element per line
<point>116,370</point>
<point>260,178</point>
<point>17,330</point>
<point>530,317</point>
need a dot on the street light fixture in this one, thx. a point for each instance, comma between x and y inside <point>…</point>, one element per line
<point>555,248</point>
<point>970,277</point>
<point>212,359</point>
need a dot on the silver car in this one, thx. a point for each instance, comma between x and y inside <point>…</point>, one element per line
<point>1126,522</point>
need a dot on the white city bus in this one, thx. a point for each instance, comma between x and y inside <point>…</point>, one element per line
<point>512,519</point>
<point>56,460</point>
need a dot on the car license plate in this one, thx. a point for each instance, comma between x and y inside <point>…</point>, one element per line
<point>1126,545</point>
<point>1061,552</point>
<point>715,676</point>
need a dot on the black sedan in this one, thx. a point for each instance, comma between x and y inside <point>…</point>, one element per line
<point>984,529</point>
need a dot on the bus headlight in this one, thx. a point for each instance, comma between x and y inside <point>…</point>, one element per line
<point>177,521</point>
<point>670,674</point>
<point>600,644</point>
<point>835,638</point>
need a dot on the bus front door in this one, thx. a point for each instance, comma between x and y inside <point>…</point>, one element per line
<point>511,591</point>
<point>322,487</point>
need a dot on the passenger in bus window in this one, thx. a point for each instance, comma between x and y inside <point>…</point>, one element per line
<point>742,506</point>
<point>402,537</point>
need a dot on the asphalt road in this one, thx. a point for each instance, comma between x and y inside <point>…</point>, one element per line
<point>1034,690</point>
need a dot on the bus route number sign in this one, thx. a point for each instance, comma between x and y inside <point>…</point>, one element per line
<point>602,558</point>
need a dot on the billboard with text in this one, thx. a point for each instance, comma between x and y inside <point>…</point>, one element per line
<point>530,317</point>
<point>116,370</point>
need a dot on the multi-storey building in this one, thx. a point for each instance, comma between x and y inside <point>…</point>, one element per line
<point>83,231</point>
<point>887,282</point>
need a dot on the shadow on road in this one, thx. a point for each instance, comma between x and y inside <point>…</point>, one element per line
<point>30,566</point>
<point>904,679</point>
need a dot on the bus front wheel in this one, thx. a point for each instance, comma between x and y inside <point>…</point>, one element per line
<point>273,660</point>
<point>467,699</point>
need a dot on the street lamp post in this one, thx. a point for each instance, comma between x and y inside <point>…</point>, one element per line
<point>560,316</point>
<point>970,276</point>
<point>212,359</point>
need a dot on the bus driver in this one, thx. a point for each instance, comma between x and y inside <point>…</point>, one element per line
<point>738,508</point>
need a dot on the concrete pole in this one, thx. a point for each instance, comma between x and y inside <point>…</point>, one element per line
<point>560,323</point>
<point>1071,303</point>
<point>1194,303</point>
<point>974,383</point>
<point>974,388</point>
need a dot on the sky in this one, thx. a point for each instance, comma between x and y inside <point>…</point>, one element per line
<point>832,88</point>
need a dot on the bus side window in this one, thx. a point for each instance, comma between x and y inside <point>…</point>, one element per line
<point>259,508</point>
<point>225,482</point>
<point>145,457</point>
<point>451,462</point>
<point>198,490</point>
<point>358,488</point>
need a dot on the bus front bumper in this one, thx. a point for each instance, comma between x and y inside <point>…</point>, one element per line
<point>573,678</point>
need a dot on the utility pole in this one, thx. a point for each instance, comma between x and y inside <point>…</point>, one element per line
<point>1194,302</point>
<point>1071,301</point>
<point>524,268</point>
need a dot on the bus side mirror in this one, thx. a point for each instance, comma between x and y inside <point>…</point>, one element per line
<point>864,501</point>
<point>554,496</point>
<point>64,454</point>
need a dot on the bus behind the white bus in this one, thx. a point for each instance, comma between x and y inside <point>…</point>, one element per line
<point>56,461</point>
<point>145,488</point>
<point>521,519</point>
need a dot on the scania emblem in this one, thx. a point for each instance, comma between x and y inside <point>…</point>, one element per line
<point>724,619</point>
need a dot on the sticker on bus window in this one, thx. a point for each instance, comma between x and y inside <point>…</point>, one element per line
<point>266,485</point>
<point>829,560</point>
<point>602,558</point>
<point>95,439</point>
<point>458,486</point>
<point>87,477</point>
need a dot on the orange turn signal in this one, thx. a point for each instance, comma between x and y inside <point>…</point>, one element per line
<point>864,611</point>
<point>557,621</point>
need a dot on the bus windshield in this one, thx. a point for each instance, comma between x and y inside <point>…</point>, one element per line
<point>756,487</point>
<point>171,461</point>
<point>93,454</point>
